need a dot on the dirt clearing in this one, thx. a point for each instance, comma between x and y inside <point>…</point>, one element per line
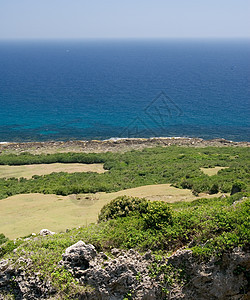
<point>27,171</point>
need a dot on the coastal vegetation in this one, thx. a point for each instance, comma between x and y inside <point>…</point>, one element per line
<point>211,226</point>
<point>208,227</point>
<point>179,166</point>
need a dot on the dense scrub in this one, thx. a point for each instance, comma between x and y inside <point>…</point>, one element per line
<point>179,166</point>
<point>210,225</point>
<point>155,215</point>
<point>27,158</point>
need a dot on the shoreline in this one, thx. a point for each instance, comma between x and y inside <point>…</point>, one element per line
<point>113,144</point>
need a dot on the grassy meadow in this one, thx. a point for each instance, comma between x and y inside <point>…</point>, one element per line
<point>23,214</point>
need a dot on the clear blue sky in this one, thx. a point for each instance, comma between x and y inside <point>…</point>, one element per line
<point>124,18</point>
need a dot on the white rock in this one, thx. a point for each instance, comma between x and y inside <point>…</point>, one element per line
<point>45,232</point>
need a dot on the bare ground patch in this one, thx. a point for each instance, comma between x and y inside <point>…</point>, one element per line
<point>212,171</point>
<point>27,171</point>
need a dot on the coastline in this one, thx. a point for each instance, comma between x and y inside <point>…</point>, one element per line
<point>113,144</point>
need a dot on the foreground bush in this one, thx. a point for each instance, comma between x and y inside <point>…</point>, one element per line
<point>123,206</point>
<point>155,215</point>
<point>158,215</point>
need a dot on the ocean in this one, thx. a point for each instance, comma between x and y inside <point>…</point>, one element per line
<point>102,89</point>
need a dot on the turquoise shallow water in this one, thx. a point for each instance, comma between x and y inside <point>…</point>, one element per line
<point>64,90</point>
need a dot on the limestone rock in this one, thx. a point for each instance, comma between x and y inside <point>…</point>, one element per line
<point>45,232</point>
<point>128,272</point>
<point>216,279</point>
<point>78,256</point>
<point>4,264</point>
<point>112,278</point>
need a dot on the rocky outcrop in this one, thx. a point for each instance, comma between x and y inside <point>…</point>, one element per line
<point>126,273</point>
<point>224,279</point>
<point>113,145</point>
<point>78,257</point>
<point>21,283</point>
<point>135,276</point>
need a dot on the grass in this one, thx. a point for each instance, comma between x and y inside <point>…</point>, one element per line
<point>212,171</point>
<point>25,213</point>
<point>27,171</point>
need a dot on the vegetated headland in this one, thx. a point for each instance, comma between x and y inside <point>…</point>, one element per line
<point>138,248</point>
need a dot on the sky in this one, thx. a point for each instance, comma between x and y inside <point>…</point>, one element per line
<point>76,19</point>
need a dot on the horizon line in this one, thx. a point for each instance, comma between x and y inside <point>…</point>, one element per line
<point>118,38</point>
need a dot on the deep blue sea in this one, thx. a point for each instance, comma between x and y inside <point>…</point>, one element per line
<point>99,89</point>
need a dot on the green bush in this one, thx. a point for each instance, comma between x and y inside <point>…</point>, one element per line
<point>155,214</point>
<point>9,246</point>
<point>214,189</point>
<point>121,207</point>
<point>158,215</point>
<point>3,238</point>
<point>237,187</point>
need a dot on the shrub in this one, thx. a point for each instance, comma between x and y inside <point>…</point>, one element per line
<point>237,187</point>
<point>121,207</point>
<point>214,189</point>
<point>3,238</point>
<point>158,215</point>
<point>133,169</point>
<point>9,246</point>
